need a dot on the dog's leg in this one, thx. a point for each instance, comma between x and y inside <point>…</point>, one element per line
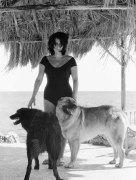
<point>115,156</point>
<point>74,147</point>
<point>29,166</point>
<point>119,141</point>
<point>126,143</point>
<point>28,172</point>
<point>63,145</point>
<point>35,146</point>
<point>53,161</point>
<point>50,165</point>
<point>36,164</point>
<point>117,144</point>
<point>114,150</point>
<point>55,170</point>
<point>121,156</point>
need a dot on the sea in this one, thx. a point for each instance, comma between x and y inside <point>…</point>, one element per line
<point>11,101</point>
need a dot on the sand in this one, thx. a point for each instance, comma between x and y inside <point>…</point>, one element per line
<point>92,163</point>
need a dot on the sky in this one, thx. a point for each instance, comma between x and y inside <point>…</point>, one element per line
<point>95,74</point>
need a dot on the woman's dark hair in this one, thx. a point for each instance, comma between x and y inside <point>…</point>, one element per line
<point>63,37</point>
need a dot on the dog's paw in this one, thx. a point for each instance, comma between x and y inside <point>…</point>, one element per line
<point>112,162</point>
<point>119,165</point>
<point>69,165</point>
<point>50,167</point>
<point>36,167</point>
<point>60,163</point>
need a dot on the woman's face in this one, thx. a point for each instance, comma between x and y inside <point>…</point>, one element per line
<point>58,47</point>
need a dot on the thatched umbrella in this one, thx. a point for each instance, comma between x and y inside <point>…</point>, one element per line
<point>26,25</point>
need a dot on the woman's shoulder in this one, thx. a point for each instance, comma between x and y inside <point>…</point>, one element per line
<point>44,60</point>
<point>68,57</point>
<point>71,61</point>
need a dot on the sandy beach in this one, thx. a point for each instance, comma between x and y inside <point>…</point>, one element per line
<point>92,163</point>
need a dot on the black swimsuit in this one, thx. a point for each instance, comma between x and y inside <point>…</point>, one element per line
<point>57,80</point>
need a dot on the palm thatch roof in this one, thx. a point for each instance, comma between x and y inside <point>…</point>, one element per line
<point>26,25</point>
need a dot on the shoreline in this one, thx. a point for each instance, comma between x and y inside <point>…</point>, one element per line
<point>18,145</point>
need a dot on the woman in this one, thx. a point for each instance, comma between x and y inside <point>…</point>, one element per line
<point>58,67</point>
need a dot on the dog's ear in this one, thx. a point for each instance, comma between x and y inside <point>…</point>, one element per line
<point>69,107</point>
<point>72,105</point>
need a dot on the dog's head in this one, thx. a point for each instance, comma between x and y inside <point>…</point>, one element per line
<point>67,112</point>
<point>67,105</point>
<point>65,109</point>
<point>24,116</point>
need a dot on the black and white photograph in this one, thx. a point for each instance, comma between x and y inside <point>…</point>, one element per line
<point>67,89</point>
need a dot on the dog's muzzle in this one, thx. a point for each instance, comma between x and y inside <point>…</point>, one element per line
<point>14,117</point>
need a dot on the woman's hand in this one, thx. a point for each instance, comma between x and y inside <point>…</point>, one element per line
<point>31,102</point>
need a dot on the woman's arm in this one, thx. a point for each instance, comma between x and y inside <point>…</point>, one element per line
<point>74,73</point>
<point>37,84</point>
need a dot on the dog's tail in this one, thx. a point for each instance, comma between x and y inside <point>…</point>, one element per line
<point>35,148</point>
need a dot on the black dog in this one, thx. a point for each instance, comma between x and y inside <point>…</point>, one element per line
<point>43,134</point>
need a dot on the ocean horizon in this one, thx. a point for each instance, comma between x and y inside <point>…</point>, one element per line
<point>11,101</point>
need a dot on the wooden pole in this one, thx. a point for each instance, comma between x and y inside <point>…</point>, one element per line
<point>43,7</point>
<point>123,78</point>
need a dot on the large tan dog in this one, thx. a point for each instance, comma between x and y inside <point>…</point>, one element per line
<point>79,124</point>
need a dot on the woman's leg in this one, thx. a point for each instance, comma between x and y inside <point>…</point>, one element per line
<point>50,108</point>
